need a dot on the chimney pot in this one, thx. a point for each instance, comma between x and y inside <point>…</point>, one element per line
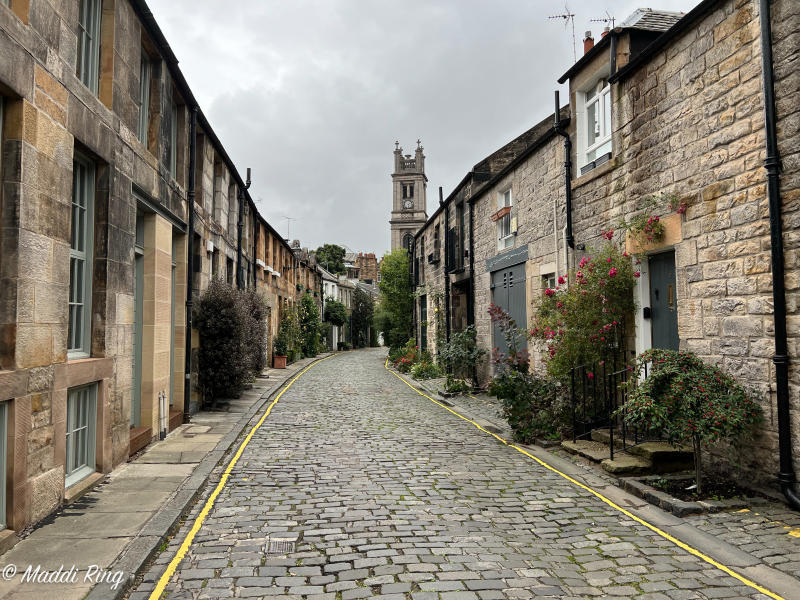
<point>588,42</point>
<point>606,30</point>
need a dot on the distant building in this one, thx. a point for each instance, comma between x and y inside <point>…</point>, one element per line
<point>367,265</point>
<point>408,190</point>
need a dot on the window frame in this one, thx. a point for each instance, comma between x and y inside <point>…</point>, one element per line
<point>505,236</point>
<point>88,63</point>
<point>77,473</point>
<point>145,77</point>
<point>79,340</point>
<point>602,100</point>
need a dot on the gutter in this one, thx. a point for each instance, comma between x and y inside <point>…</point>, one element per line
<point>772,163</point>
<point>557,127</point>
<point>187,384</point>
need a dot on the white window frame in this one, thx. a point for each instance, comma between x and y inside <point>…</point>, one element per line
<point>601,98</point>
<point>145,74</point>
<point>505,236</point>
<point>79,461</point>
<point>88,63</point>
<point>79,340</point>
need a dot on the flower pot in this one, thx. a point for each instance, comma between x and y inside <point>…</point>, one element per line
<point>278,362</point>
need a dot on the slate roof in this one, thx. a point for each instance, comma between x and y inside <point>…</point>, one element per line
<point>652,20</point>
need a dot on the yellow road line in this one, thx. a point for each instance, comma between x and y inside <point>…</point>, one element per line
<point>609,502</point>
<point>198,522</point>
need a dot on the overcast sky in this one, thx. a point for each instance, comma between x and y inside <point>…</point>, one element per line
<point>312,94</point>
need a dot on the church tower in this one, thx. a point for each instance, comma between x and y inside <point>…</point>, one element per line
<point>409,205</point>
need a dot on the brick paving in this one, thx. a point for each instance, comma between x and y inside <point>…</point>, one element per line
<point>390,496</point>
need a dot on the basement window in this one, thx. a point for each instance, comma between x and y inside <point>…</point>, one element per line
<point>81,432</point>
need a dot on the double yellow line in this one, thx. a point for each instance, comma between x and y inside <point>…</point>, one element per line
<point>609,502</point>
<point>198,522</point>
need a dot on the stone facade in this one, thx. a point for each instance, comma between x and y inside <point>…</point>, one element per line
<point>136,248</point>
<point>686,119</point>
<point>409,204</point>
<point>367,265</point>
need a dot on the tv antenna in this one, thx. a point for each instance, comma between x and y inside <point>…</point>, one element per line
<point>569,19</point>
<point>607,19</point>
<point>288,227</point>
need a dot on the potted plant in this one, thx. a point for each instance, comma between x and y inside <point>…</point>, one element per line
<point>280,347</point>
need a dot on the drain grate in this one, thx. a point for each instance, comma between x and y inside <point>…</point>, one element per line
<point>280,544</point>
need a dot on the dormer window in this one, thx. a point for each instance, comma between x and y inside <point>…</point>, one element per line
<point>594,125</point>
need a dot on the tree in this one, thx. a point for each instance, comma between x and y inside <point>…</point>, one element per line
<point>335,313</point>
<point>331,257</point>
<point>396,298</point>
<point>688,401</point>
<point>363,309</point>
<point>310,325</point>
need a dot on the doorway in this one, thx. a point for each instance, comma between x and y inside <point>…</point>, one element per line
<point>663,301</point>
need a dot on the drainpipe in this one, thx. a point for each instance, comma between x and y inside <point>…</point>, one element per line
<point>567,174</point>
<point>446,266</point>
<point>255,248</point>
<point>786,475</point>
<point>187,383</point>
<point>240,283</point>
<point>471,295</point>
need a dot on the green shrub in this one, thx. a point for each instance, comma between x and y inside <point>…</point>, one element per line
<point>689,402</point>
<point>220,320</point>
<point>335,312</point>
<point>310,325</point>
<point>407,357</point>
<point>280,346</point>
<point>461,354</point>
<point>530,405</point>
<point>256,312</point>
<point>425,369</point>
<point>456,386</point>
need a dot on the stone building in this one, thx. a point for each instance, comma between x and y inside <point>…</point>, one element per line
<point>367,265</point>
<point>409,185</point>
<point>97,125</point>
<point>669,104</point>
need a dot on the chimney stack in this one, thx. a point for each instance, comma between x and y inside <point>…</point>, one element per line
<point>588,42</point>
<point>606,30</point>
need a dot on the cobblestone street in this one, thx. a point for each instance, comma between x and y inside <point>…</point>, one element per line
<point>390,495</point>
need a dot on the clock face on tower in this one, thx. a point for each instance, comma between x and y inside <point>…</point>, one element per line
<point>408,204</point>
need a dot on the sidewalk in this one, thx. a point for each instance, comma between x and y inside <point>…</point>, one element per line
<point>120,523</point>
<point>761,541</point>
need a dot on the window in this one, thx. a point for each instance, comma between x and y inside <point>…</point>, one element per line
<point>173,142</point>
<point>215,264</point>
<point>548,281</point>
<point>436,243</point>
<point>229,270</point>
<point>144,96</point>
<point>81,418</point>
<point>459,238</point>
<point>594,132</point>
<point>214,188</point>
<point>88,67</point>
<point>408,241</point>
<point>80,258</point>
<point>505,236</point>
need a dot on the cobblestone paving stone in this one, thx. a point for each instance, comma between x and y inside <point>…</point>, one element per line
<point>390,496</point>
<point>768,530</point>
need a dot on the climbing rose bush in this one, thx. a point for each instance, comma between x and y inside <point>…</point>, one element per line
<point>580,320</point>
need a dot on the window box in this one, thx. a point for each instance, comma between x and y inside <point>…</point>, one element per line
<point>506,210</point>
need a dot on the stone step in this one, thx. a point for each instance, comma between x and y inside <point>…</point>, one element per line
<point>594,451</point>
<point>664,457</point>
<point>627,464</point>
